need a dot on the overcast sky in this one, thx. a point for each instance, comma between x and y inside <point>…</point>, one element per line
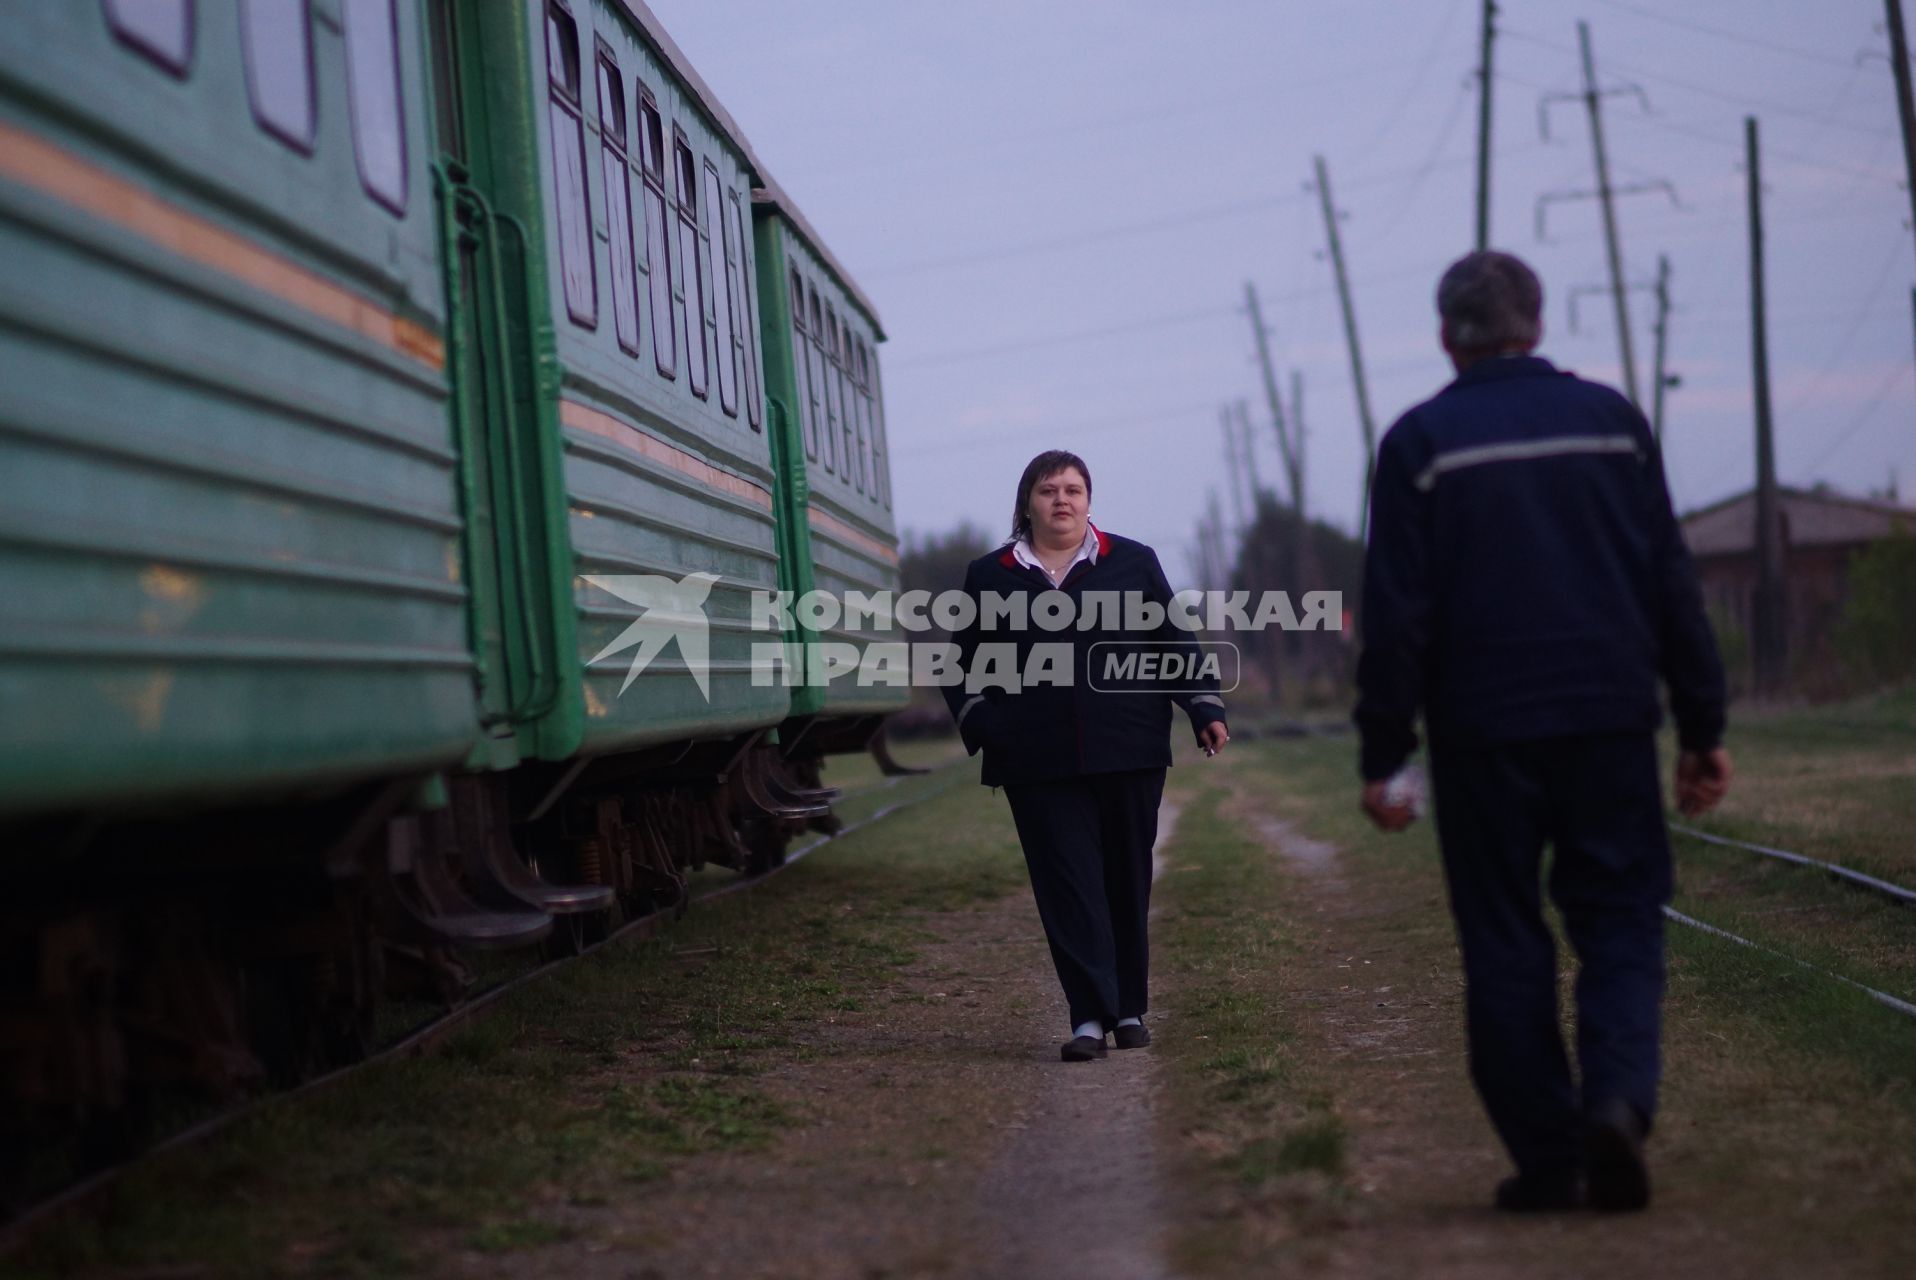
<point>1055,205</point>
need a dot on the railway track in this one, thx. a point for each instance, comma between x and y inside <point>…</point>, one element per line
<point>424,1038</point>
<point>1848,875</point>
<point>1884,888</point>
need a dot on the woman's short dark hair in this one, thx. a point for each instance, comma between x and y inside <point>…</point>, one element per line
<point>1042,468</point>
<point>1490,301</point>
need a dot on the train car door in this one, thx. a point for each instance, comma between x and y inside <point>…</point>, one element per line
<point>483,172</point>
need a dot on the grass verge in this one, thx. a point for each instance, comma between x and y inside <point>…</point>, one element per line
<point>1260,1116</point>
<point>602,1075</point>
<point>1788,1098</point>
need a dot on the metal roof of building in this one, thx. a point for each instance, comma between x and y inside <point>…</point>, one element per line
<point>1811,517</point>
<point>767,189</point>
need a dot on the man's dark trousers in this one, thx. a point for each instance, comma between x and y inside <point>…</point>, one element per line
<point>1595,799</point>
<point>1087,841</point>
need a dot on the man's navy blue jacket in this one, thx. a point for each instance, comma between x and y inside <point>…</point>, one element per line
<point>1050,731</point>
<point>1526,576</point>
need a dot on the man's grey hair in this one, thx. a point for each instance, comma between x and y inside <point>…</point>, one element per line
<point>1490,301</point>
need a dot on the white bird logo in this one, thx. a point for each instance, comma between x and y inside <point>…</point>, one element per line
<point>672,611</point>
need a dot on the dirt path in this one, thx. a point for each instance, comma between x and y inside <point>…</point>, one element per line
<point>937,1134</point>
<point>1379,985</point>
<point>1078,1190</point>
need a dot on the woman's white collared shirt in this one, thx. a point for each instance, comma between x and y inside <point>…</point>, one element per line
<point>1087,551</point>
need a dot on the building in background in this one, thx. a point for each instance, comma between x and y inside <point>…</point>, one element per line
<point>1823,532</point>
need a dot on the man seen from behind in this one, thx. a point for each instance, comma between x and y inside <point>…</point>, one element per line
<point>1526,587</point>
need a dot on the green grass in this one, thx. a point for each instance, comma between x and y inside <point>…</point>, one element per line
<point>1835,782</point>
<point>570,1090</point>
<point>1777,1005</point>
<point>1220,941</point>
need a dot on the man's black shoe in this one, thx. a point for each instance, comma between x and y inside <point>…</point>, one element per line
<point>1082,1048</point>
<point>1131,1035</point>
<point>1530,1193</point>
<point>1613,1136</point>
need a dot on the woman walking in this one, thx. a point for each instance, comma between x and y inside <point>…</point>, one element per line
<point>1081,757</point>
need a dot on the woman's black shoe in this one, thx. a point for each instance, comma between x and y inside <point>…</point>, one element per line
<point>1131,1036</point>
<point>1082,1048</point>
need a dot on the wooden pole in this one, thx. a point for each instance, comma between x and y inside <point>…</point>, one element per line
<point>1662,332</point>
<point>1593,101</point>
<point>1770,641</point>
<point>1484,78</point>
<point>1350,337</point>
<point>1286,451</point>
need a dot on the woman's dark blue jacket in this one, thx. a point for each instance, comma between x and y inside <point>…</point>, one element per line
<point>1049,731</point>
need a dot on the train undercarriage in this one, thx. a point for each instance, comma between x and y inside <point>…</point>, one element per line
<point>146,961</point>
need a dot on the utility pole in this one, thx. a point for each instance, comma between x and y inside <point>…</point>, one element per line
<point>1304,651</point>
<point>1249,448</point>
<point>1219,577</point>
<point>1905,99</point>
<point>1297,440</point>
<point>1483,127</point>
<point>1662,331</point>
<point>1350,336</point>
<point>1287,453</point>
<point>1770,638</point>
<point>1232,468</point>
<point>1593,101</point>
<point>1905,105</point>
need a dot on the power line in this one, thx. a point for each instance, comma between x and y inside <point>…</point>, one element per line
<point>1407,201</point>
<point>999,253</point>
<point>1737,36</point>
<point>1883,275</point>
<point>1896,374</point>
<point>1136,326</point>
<point>867,159</point>
<point>1795,157</point>
<point>1741,100</point>
<point>1063,339</point>
<point>1412,85</point>
<point>1166,222</point>
<point>1145,418</point>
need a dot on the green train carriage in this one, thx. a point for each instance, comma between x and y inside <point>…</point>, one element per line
<point>328,399</point>
<point>229,529</point>
<point>821,342</point>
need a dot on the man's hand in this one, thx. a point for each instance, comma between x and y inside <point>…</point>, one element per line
<point>1213,736</point>
<point>1702,780</point>
<point>1387,816</point>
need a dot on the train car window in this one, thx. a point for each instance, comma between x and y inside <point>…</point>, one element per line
<point>828,382</point>
<point>871,421</point>
<point>658,257</point>
<point>566,123</point>
<point>880,440</point>
<point>801,357</point>
<point>618,200</point>
<point>848,398</point>
<point>276,37</point>
<point>738,252</point>
<point>821,402</point>
<point>691,306</point>
<point>372,92</point>
<point>862,416</point>
<point>724,304</point>
<point>448,125</point>
<point>160,29</point>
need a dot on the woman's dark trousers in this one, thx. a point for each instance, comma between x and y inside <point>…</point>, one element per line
<point>1595,800</point>
<point>1087,841</point>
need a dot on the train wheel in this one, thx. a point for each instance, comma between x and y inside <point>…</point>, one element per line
<point>764,839</point>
